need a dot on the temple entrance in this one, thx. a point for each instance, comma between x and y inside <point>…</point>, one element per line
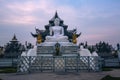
<point>59,64</point>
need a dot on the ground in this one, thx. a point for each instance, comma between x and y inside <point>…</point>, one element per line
<point>61,76</point>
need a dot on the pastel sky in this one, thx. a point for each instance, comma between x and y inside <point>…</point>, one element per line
<point>98,20</point>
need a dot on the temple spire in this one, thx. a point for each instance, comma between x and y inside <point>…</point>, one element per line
<point>14,39</point>
<point>56,14</point>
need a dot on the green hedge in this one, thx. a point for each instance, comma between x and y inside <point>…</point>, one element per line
<point>108,77</point>
<point>8,70</point>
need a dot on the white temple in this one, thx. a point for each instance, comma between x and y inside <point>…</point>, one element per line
<point>56,40</point>
<point>55,36</point>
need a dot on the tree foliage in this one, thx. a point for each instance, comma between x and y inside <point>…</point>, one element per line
<point>103,47</point>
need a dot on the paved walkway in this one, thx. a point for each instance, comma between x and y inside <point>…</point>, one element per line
<point>61,76</point>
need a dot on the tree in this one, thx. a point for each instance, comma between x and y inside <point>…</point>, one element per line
<point>103,47</point>
<point>118,46</point>
<point>86,44</point>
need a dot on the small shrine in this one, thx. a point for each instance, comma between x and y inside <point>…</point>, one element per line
<point>13,49</point>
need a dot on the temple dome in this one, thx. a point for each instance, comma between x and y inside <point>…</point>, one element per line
<point>84,52</point>
<point>94,53</point>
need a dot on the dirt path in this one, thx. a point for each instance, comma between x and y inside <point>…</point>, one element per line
<point>61,76</point>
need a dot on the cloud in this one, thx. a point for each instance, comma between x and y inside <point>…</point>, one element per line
<point>95,22</point>
<point>27,12</point>
<point>23,13</point>
<point>19,20</point>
